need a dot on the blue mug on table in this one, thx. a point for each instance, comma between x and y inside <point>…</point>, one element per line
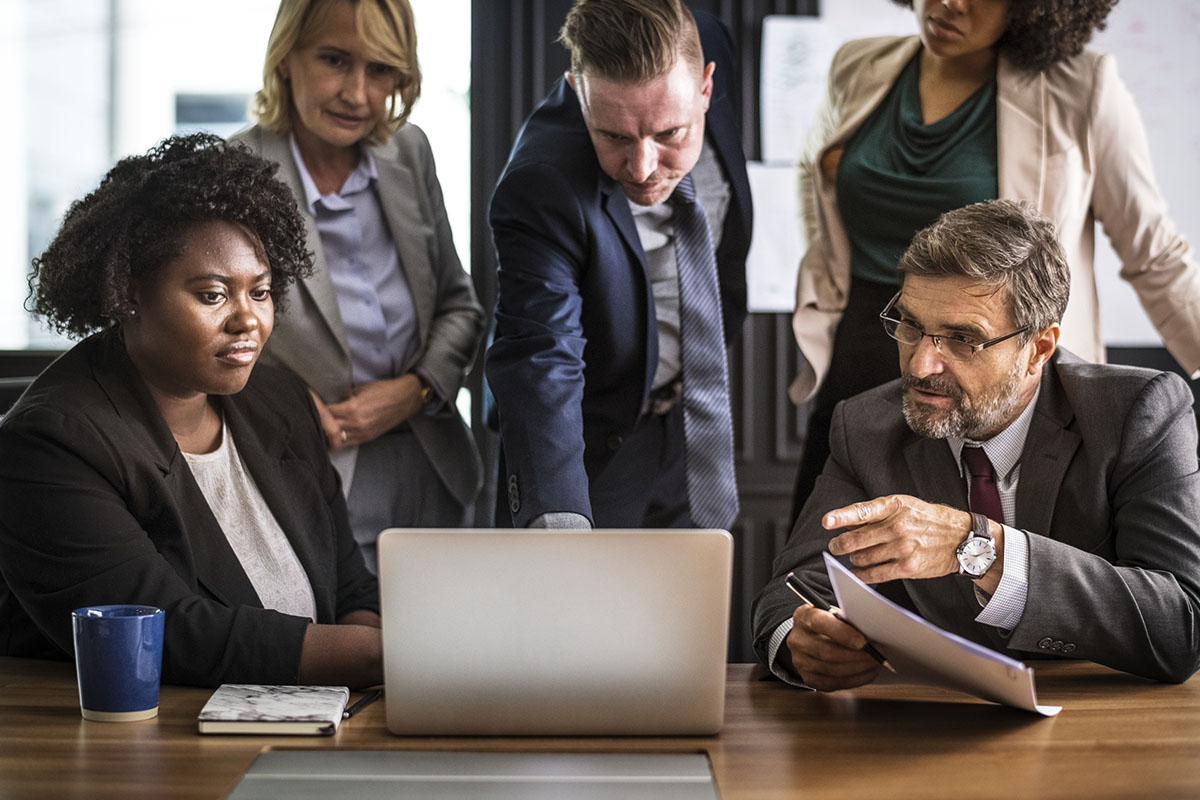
<point>118,659</point>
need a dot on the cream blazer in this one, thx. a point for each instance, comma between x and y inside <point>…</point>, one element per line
<point>1070,141</point>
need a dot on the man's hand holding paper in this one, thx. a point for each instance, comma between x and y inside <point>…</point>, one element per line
<point>827,653</point>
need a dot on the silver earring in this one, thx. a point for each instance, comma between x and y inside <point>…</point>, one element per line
<point>133,312</point>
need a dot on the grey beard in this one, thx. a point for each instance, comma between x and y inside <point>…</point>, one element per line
<point>965,419</point>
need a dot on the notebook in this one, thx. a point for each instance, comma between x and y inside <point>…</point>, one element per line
<point>274,710</point>
<point>531,632</point>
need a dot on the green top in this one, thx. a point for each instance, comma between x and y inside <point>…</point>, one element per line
<point>897,174</point>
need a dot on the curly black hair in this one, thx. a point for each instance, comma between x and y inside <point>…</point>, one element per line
<point>1041,33</point>
<point>136,220</point>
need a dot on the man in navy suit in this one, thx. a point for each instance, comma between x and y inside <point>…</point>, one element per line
<point>586,361</point>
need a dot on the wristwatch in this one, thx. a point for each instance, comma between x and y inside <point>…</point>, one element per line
<point>426,393</point>
<point>977,552</point>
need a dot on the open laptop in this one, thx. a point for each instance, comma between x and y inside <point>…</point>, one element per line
<point>533,632</point>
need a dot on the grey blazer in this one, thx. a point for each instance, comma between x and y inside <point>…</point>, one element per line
<point>1109,494</point>
<point>309,337</point>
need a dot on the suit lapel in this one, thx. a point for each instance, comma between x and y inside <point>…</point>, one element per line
<point>934,473</point>
<point>1020,133</point>
<point>120,380</point>
<point>616,208</point>
<point>1049,448</point>
<point>399,192</point>
<point>722,130</point>
<point>937,479</point>
<point>319,286</point>
<point>870,87</point>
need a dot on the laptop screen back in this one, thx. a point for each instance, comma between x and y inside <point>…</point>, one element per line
<point>552,632</point>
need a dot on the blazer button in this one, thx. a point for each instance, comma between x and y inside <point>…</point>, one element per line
<point>514,494</point>
<point>614,442</point>
<point>1045,643</point>
<point>1057,645</point>
<point>1069,647</point>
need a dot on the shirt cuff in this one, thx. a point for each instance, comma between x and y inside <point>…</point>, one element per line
<point>1006,606</point>
<point>561,520</point>
<point>777,639</point>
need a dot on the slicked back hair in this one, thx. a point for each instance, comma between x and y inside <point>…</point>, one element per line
<point>630,41</point>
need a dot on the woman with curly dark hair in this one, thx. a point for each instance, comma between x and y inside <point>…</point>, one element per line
<point>154,464</point>
<point>992,98</point>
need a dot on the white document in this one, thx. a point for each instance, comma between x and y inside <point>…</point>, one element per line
<point>925,654</point>
<point>778,241</point>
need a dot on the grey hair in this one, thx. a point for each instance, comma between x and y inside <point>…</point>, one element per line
<point>1004,244</point>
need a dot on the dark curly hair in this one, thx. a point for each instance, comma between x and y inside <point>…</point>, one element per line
<point>1041,33</point>
<point>135,222</point>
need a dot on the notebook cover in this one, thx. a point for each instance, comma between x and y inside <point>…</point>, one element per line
<point>274,710</point>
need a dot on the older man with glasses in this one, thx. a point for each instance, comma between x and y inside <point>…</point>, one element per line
<point>1002,488</point>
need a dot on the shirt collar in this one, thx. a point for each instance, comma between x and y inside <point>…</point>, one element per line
<point>1004,449</point>
<point>358,180</point>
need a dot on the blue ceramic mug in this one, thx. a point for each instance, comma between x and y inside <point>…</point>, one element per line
<point>118,659</point>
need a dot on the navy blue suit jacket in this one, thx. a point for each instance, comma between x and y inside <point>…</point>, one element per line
<point>576,342</point>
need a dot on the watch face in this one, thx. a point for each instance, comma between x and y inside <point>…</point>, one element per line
<point>975,555</point>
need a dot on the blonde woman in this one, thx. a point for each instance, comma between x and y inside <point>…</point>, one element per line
<point>387,326</point>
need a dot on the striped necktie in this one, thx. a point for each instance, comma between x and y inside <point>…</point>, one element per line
<point>707,422</point>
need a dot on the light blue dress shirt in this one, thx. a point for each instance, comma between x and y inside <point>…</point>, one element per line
<point>373,295</point>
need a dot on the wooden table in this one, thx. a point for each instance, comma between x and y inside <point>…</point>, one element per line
<point>1118,736</point>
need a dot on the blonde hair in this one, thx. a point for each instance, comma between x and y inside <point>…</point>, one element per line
<point>630,41</point>
<point>384,26</point>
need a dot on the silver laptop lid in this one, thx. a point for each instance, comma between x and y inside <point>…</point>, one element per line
<point>554,632</point>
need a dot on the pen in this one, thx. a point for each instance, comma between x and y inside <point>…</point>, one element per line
<point>362,702</point>
<point>799,589</point>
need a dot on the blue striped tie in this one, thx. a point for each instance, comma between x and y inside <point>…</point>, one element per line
<point>707,423</point>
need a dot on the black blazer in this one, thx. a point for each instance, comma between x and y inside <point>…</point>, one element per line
<point>97,505</point>
<point>576,342</point>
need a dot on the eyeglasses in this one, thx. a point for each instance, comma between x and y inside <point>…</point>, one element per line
<point>955,345</point>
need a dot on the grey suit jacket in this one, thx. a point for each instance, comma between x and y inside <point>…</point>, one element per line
<point>1109,495</point>
<point>310,339</point>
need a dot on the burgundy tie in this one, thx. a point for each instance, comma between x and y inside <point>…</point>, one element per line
<point>985,499</point>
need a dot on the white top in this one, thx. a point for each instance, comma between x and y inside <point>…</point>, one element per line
<point>252,530</point>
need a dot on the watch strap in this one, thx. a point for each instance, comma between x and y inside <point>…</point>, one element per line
<point>981,526</point>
